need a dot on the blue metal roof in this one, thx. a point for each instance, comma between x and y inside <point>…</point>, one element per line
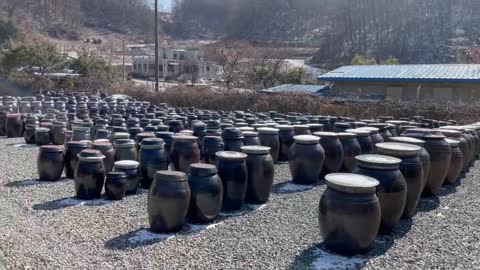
<point>296,88</point>
<point>445,73</point>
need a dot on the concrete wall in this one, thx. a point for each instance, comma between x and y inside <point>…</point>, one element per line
<point>408,91</point>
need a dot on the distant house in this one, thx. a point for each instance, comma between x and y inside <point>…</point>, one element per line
<point>317,90</point>
<point>441,82</point>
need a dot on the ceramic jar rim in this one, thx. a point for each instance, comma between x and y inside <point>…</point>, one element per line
<point>267,131</point>
<point>376,161</point>
<point>352,183</point>
<point>169,176</point>
<point>126,164</point>
<point>306,139</point>
<point>452,142</point>
<point>406,139</point>
<point>397,149</point>
<point>256,150</point>
<point>358,132</point>
<point>231,155</point>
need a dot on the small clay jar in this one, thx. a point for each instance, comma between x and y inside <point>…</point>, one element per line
<point>57,132</point>
<point>250,138</point>
<point>89,175</point>
<point>106,148</point>
<point>184,152</point>
<point>71,156</point>
<point>3,123</point>
<point>206,193</point>
<point>42,136</point>
<point>440,156</point>
<point>301,130</point>
<point>285,136</point>
<point>125,149</point>
<point>333,152</point>
<point>14,125</point>
<point>81,134</point>
<point>152,158</point>
<point>212,145</point>
<point>166,136</point>
<point>392,190</point>
<point>349,213</point>
<point>29,134</point>
<point>232,169</point>
<point>130,168</point>
<point>260,171</point>
<point>456,162</point>
<point>351,149</point>
<point>168,201</point>
<point>232,139</point>
<point>305,158</point>
<point>116,185</point>
<point>102,134</point>
<point>364,139</point>
<point>463,144</point>
<point>411,169</point>
<point>374,135</point>
<point>50,162</point>
<point>269,138</point>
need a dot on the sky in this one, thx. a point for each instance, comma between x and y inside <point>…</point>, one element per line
<point>165,5</point>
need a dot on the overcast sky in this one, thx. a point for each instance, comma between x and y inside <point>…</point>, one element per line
<point>165,5</point>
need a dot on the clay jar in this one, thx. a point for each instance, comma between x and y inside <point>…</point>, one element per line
<point>349,213</point>
<point>130,168</point>
<point>152,158</point>
<point>301,130</point>
<point>211,145</point>
<point>3,123</point>
<point>50,162</point>
<point>42,136</point>
<point>351,149</point>
<point>463,145</point>
<point>285,136</point>
<point>260,173</point>
<point>125,149</point>
<point>166,136</point>
<point>116,185</point>
<point>232,169</point>
<point>184,152</point>
<point>364,139</point>
<point>424,156</point>
<point>14,125</point>
<point>106,148</point>
<point>440,157</point>
<point>57,133</point>
<point>374,135</point>
<point>305,158</point>
<point>168,201</point>
<point>250,138</point>
<point>333,152</point>
<point>80,133</point>
<point>392,190</point>
<point>411,169</point>
<point>89,175</point>
<point>456,162</point>
<point>71,156</point>
<point>269,138</point>
<point>232,139</point>
<point>29,134</point>
<point>207,193</point>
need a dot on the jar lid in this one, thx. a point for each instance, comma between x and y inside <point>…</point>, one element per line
<point>185,132</point>
<point>325,134</point>
<point>450,132</point>
<point>124,143</point>
<point>351,183</point>
<point>42,130</point>
<point>51,148</point>
<point>120,135</point>
<point>82,129</point>
<point>398,149</point>
<point>243,129</point>
<point>284,127</point>
<point>343,124</point>
<point>409,140</point>
<point>255,150</point>
<point>249,133</point>
<point>184,138</point>
<point>102,144</point>
<point>152,143</point>
<point>230,155</point>
<point>231,133</point>
<point>373,130</point>
<point>306,139</point>
<point>359,132</point>
<point>267,130</point>
<point>202,169</point>
<point>300,127</point>
<point>144,135</point>
<point>58,124</point>
<point>378,161</point>
<point>344,135</point>
<point>170,176</point>
<point>126,164</point>
<point>164,134</point>
<point>90,155</point>
<point>82,144</point>
<point>453,143</point>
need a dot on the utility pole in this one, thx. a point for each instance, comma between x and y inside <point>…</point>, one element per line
<point>156,45</point>
<point>123,63</point>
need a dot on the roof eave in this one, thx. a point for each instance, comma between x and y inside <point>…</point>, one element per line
<point>404,80</point>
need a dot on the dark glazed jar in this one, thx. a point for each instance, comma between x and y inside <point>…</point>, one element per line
<point>364,139</point>
<point>285,136</point>
<point>424,156</point>
<point>411,169</point>
<point>351,149</point>
<point>3,124</point>
<point>89,175</point>
<point>184,152</point>
<point>232,139</point>
<point>42,136</point>
<point>14,125</point>
<point>116,185</point>
<point>301,130</point>
<point>81,134</point>
<point>176,126</point>
<point>168,201</point>
<point>333,152</point>
<point>374,135</point>
<point>456,162</point>
<point>71,156</point>
<point>392,190</point>
<point>440,156</point>
<point>305,159</point>
<point>130,168</point>
<point>269,138</point>
<point>260,171</point>
<point>58,133</point>
<point>463,145</point>
<point>50,162</point>
<point>152,158</point>
<point>232,169</point>
<point>212,145</point>
<point>106,148</point>
<point>250,138</point>
<point>349,213</point>
<point>29,134</point>
<point>125,149</point>
<point>207,193</point>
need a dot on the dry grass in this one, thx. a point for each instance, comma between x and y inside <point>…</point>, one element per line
<point>205,98</point>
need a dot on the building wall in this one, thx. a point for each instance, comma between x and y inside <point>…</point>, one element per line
<point>408,91</point>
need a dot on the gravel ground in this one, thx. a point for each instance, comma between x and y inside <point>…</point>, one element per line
<point>43,227</point>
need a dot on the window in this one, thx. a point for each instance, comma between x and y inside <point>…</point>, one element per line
<point>208,68</point>
<point>174,55</point>
<point>145,66</point>
<point>182,56</point>
<point>152,67</point>
<point>160,68</point>
<point>170,68</point>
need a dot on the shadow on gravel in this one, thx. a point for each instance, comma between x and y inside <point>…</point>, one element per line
<point>427,204</point>
<point>69,202</point>
<point>449,189</point>
<point>290,187</point>
<point>33,182</point>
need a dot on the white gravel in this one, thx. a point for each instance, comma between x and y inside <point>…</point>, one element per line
<point>43,227</point>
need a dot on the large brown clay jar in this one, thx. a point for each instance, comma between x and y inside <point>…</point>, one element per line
<point>184,151</point>
<point>456,162</point>
<point>351,149</point>
<point>333,152</point>
<point>305,159</point>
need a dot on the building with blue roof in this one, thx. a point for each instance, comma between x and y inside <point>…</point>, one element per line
<point>440,82</point>
<point>316,90</point>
